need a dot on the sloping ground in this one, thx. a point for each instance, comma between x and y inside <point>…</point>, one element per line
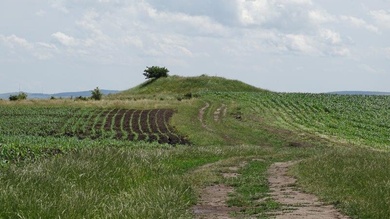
<point>176,85</point>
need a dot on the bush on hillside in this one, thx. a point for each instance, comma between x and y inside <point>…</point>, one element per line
<point>20,96</point>
<point>155,72</point>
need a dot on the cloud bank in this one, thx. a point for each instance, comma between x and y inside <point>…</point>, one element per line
<point>222,35</point>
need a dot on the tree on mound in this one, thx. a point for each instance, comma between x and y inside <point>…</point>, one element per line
<point>155,72</point>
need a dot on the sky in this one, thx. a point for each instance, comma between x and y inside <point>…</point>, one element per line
<point>50,46</point>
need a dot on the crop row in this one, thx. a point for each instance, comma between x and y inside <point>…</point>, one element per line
<point>358,119</point>
<point>120,124</point>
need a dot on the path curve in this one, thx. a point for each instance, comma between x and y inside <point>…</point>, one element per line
<point>201,116</point>
<point>300,205</point>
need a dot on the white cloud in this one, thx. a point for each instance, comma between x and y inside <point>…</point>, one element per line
<point>382,17</point>
<point>65,39</point>
<point>205,36</point>
<point>301,43</point>
<point>44,51</point>
<point>20,47</point>
<point>330,36</point>
<point>320,17</point>
<point>14,41</point>
<point>323,43</point>
<point>358,22</point>
<point>89,22</point>
<point>255,12</point>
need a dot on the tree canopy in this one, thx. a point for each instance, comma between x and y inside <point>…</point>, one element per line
<point>96,94</point>
<point>155,72</point>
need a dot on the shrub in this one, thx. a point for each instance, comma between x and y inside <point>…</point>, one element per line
<point>81,98</point>
<point>20,96</point>
<point>96,94</point>
<point>155,72</point>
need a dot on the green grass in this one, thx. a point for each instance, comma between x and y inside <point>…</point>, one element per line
<point>354,179</point>
<point>177,87</point>
<point>105,182</point>
<point>111,182</point>
<point>334,136</point>
<point>251,190</point>
<point>353,120</point>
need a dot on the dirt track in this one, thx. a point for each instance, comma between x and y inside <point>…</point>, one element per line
<point>297,204</point>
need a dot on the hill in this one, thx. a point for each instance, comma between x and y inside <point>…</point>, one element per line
<point>177,85</point>
<point>58,95</point>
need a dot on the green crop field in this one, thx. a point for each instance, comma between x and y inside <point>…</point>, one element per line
<point>360,120</point>
<point>150,151</point>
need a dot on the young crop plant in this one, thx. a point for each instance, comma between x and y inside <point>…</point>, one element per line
<point>360,120</point>
<point>97,123</point>
<point>121,132</point>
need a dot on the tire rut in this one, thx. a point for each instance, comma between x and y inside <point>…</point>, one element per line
<point>212,200</point>
<point>298,205</point>
<point>201,116</point>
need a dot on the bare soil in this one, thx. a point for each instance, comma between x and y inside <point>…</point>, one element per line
<point>201,117</point>
<point>298,205</point>
<point>220,112</point>
<point>212,203</point>
<point>212,200</point>
<point>137,125</point>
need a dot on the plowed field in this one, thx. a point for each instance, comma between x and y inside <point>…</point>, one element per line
<point>121,124</point>
<point>132,125</point>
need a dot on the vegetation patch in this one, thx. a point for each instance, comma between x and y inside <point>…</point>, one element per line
<point>354,179</point>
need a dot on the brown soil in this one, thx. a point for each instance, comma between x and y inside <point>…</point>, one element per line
<point>220,112</point>
<point>298,205</point>
<point>144,122</point>
<point>141,125</point>
<point>212,203</point>
<point>201,116</point>
<point>212,200</point>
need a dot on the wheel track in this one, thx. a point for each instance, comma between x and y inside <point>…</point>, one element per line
<point>299,205</point>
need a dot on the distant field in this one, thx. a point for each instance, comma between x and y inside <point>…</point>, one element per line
<point>362,120</point>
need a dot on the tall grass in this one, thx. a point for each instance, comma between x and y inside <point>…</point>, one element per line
<point>110,182</point>
<point>105,182</point>
<point>354,179</point>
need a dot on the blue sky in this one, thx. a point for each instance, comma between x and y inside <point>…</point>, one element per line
<point>282,45</point>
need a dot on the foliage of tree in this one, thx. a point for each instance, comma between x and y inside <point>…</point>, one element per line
<point>155,72</point>
<point>20,96</point>
<point>81,98</point>
<point>96,94</point>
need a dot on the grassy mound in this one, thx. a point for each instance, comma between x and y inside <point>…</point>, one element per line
<point>177,85</point>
